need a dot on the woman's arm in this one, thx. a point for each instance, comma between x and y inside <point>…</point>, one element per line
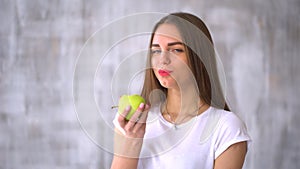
<point>128,145</point>
<point>126,152</point>
<point>233,157</point>
<point>124,163</point>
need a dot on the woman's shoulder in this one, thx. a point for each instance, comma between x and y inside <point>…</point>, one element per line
<point>228,118</point>
<point>225,122</point>
<point>220,116</point>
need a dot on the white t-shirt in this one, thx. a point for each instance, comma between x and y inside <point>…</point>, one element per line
<point>192,145</point>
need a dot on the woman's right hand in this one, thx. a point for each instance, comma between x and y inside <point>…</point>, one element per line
<point>134,127</point>
<point>129,143</point>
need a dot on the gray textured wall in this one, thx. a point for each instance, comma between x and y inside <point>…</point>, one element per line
<point>258,42</point>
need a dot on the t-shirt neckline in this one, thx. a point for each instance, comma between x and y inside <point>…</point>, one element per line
<point>185,123</point>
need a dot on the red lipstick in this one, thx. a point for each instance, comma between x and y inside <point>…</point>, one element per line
<point>164,72</point>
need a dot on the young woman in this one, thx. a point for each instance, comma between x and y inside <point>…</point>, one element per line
<point>189,124</point>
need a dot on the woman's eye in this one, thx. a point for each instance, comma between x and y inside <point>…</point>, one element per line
<point>155,51</point>
<point>177,50</point>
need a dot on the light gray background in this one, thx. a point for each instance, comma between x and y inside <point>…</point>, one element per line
<point>258,42</point>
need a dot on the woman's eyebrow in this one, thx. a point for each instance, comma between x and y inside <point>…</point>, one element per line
<point>169,44</point>
<point>155,45</point>
<point>175,43</point>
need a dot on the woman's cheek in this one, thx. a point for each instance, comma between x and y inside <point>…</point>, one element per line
<point>154,62</point>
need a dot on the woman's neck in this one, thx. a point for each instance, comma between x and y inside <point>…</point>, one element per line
<point>182,103</point>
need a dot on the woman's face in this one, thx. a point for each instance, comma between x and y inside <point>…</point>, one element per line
<point>169,57</point>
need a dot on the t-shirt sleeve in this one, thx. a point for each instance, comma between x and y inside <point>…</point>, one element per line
<point>231,130</point>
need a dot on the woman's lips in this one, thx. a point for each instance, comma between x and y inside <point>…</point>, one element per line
<point>164,72</point>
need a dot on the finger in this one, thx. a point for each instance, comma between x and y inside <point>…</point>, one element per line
<point>134,118</point>
<point>121,119</point>
<point>142,122</point>
<point>143,115</point>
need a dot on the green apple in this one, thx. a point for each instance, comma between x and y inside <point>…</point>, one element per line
<point>133,100</point>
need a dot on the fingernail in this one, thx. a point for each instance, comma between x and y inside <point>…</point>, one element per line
<point>127,108</point>
<point>141,105</point>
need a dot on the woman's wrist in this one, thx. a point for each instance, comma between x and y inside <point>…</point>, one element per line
<point>126,146</point>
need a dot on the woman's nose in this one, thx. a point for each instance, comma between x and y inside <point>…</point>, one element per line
<point>165,57</point>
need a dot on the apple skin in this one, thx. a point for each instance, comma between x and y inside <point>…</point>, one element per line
<point>133,100</point>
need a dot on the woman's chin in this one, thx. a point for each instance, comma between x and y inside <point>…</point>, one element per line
<point>167,84</point>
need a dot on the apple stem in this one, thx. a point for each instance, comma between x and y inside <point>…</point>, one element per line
<point>113,107</point>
